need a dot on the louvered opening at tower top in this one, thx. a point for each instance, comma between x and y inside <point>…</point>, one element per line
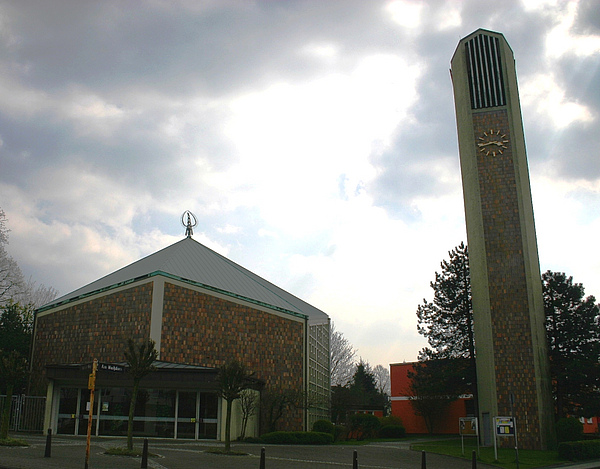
<point>484,69</point>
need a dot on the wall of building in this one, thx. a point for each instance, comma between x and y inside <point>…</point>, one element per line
<point>201,329</point>
<point>402,407</point>
<point>197,329</point>
<point>96,328</point>
<point>319,377</point>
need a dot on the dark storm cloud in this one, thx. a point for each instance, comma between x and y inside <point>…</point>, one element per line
<point>588,18</point>
<point>206,46</point>
<point>122,54</point>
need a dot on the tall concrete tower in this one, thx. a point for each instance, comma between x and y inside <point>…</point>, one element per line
<point>510,339</point>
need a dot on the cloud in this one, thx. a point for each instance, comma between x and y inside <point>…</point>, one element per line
<point>315,142</point>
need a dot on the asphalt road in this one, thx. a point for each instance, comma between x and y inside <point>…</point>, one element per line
<point>69,452</point>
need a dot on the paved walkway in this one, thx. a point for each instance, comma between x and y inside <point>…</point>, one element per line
<point>69,453</point>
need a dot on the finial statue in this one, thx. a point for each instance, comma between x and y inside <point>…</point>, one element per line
<point>189,223</point>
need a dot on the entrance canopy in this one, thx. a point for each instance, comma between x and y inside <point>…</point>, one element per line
<point>166,375</point>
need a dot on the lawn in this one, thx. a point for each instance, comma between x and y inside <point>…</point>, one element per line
<point>506,457</point>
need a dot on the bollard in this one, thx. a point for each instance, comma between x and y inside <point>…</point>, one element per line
<point>423,460</point>
<point>262,458</point>
<point>474,460</point>
<point>145,455</point>
<point>355,460</point>
<point>48,451</point>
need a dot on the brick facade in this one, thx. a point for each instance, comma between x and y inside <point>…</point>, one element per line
<point>98,328</point>
<point>197,329</point>
<point>200,329</point>
<point>508,292</point>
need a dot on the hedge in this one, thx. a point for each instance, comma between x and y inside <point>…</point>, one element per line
<point>579,450</point>
<point>363,426</point>
<point>323,426</point>
<point>569,429</point>
<point>392,431</point>
<point>297,438</point>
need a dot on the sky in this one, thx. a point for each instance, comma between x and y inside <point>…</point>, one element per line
<point>315,141</point>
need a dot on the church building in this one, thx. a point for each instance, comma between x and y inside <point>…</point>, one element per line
<point>202,310</point>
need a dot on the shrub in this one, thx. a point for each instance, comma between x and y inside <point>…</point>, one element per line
<point>324,426</point>
<point>392,431</point>
<point>364,426</point>
<point>340,432</point>
<point>13,442</point>
<point>314,438</point>
<point>297,438</point>
<point>390,420</point>
<point>279,438</point>
<point>569,429</point>
<point>579,450</point>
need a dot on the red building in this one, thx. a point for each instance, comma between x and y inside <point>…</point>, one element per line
<point>448,423</point>
<point>402,407</point>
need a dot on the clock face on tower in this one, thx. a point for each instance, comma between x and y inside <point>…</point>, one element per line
<point>492,142</point>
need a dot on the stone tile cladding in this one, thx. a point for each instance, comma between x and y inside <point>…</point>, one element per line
<point>200,329</point>
<point>98,328</point>
<point>511,327</point>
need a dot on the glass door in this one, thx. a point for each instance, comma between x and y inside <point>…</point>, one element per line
<point>186,414</point>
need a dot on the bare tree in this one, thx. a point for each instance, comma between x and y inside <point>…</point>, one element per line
<point>36,295</point>
<point>343,358</point>
<point>233,378</point>
<point>382,379</point>
<point>140,360</point>
<point>11,278</point>
<point>249,406</point>
<point>13,287</point>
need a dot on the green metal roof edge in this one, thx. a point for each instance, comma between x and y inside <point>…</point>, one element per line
<point>173,277</point>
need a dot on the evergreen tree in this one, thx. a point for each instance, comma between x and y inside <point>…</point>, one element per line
<point>434,385</point>
<point>447,323</point>
<point>363,388</point>
<point>16,327</point>
<point>572,325</point>
<point>573,334</point>
<point>13,368</point>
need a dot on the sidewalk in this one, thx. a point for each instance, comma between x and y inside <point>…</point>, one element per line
<point>69,453</point>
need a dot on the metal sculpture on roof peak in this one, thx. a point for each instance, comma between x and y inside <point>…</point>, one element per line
<point>189,223</point>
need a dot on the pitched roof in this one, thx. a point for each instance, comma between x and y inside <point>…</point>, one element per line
<point>192,262</point>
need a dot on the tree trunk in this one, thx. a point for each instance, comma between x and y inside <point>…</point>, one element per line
<point>6,412</point>
<point>136,385</point>
<point>228,427</point>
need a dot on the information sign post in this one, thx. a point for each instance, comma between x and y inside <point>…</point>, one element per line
<point>468,427</point>
<point>505,427</point>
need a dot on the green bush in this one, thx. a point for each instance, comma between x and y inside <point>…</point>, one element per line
<point>579,450</point>
<point>297,438</point>
<point>279,438</point>
<point>569,429</point>
<point>340,432</point>
<point>392,431</point>
<point>323,426</point>
<point>390,420</point>
<point>363,426</point>
<point>314,438</point>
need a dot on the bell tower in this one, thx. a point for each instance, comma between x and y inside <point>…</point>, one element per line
<point>513,371</point>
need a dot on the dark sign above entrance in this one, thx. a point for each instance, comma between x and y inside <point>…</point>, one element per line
<point>105,367</point>
<point>111,367</point>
